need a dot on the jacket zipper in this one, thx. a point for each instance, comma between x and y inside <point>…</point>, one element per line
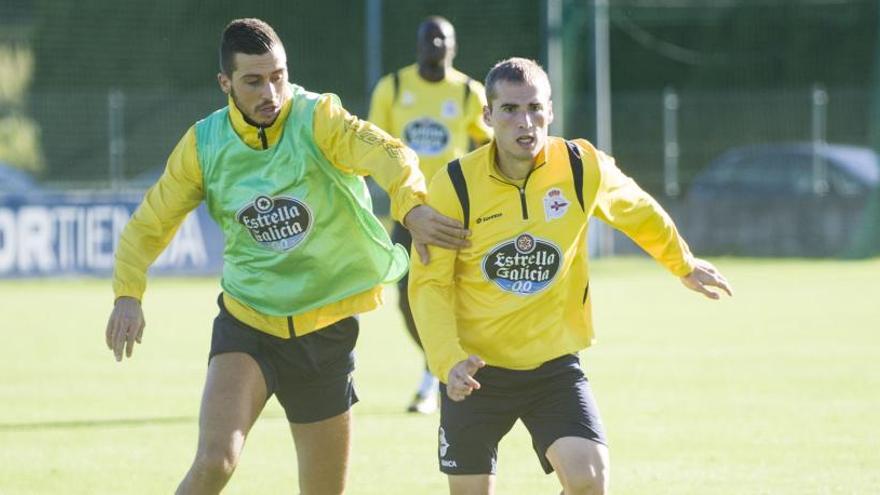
<point>522,191</point>
<point>290,327</point>
<point>261,131</point>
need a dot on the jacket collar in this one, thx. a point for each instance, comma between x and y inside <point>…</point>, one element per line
<point>251,134</point>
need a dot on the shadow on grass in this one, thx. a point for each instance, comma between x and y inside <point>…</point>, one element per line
<point>154,421</point>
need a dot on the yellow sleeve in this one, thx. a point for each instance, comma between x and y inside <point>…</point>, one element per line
<point>477,129</point>
<point>380,104</point>
<point>621,203</point>
<point>432,289</point>
<point>358,147</point>
<point>156,220</point>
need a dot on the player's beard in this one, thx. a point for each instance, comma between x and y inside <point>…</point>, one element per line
<point>247,116</point>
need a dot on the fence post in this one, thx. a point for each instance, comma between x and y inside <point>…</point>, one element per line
<point>670,142</point>
<point>555,64</point>
<point>819,120</point>
<point>116,135</point>
<point>373,45</point>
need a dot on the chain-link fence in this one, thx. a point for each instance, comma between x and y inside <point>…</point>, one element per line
<point>94,94</point>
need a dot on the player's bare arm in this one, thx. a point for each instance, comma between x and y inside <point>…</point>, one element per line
<point>125,327</point>
<point>429,227</point>
<point>705,275</point>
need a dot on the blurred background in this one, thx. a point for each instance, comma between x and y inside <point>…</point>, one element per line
<point>754,121</point>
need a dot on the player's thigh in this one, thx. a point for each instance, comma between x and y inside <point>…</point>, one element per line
<point>580,461</point>
<point>235,394</point>
<point>472,484</point>
<point>562,406</point>
<point>471,429</point>
<point>322,450</point>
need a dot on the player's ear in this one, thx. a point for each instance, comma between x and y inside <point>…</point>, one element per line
<point>487,115</point>
<point>224,82</point>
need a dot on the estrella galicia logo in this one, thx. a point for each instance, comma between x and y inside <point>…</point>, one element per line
<point>279,223</point>
<point>524,265</point>
<point>426,136</point>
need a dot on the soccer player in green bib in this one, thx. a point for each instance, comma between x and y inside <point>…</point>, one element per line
<point>502,321</point>
<point>438,112</point>
<point>280,170</point>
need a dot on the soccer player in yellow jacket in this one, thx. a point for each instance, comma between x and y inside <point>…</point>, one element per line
<point>280,171</point>
<point>502,321</point>
<point>438,112</point>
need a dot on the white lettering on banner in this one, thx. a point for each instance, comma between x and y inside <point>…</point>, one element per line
<point>35,240</point>
<point>188,246</point>
<point>41,239</point>
<point>99,242</point>
<point>7,240</point>
<point>66,216</point>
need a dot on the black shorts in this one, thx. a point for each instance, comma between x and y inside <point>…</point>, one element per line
<point>553,401</point>
<point>399,235</point>
<point>310,375</point>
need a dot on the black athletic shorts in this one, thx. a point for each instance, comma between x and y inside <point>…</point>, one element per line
<point>400,235</point>
<point>310,375</point>
<point>553,401</point>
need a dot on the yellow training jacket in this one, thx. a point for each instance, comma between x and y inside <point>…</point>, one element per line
<point>519,296</point>
<point>352,145</point>
<point>435,119</point>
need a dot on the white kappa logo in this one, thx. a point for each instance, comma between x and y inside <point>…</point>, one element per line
<point>444,445</point>
<point>555,204</point>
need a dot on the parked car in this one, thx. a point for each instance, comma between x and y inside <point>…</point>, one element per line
<point>764,200</point>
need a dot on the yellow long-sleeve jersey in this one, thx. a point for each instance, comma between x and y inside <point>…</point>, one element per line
<point>437,120</point>
<point>519,296</point>
<point>352,145</point>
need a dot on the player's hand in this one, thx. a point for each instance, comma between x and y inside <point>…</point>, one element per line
<point>705,275</point>
<point>461,381</point>
<point>125,327</point>
<point>429,227</point>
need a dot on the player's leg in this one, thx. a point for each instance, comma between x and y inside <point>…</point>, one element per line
<point>472,484</point>
<point>322,452</point>
<point>566,427</point>
<point>582,465</point>
<point>235,393</point>
<point>238,384</point>
<point>315,388</point>
<point>425,399</point>
<point>471,429</point>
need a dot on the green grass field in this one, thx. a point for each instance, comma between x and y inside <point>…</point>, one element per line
<point>776,391</point>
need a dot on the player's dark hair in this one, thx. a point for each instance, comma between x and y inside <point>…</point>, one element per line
<point>248,36</point>
<point>515,70</point>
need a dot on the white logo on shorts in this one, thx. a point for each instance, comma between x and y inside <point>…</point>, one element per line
<point>444,445</point>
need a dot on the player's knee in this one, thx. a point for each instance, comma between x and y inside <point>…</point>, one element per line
<point>591,480</point>
<point>216,463</point>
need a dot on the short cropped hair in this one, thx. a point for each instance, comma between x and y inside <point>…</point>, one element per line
<point>515,70</point>
<point>248,36</point>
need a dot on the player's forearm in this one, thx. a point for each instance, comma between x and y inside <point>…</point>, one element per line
<point>432,301</point>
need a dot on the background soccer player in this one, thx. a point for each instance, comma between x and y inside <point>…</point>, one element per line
<point>436,111</point>
<point>502,320</point>
<point>279,169</point>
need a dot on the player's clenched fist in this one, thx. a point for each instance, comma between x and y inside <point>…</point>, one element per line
<point>461,378</point>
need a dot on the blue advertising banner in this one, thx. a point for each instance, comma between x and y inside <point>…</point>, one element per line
<point>76,233</point>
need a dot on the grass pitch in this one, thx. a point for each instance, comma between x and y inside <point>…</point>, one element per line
<point>776,391</point>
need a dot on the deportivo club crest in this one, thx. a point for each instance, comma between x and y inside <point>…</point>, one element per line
<point>524,265</point>
<point>555,204</point>
<point>426,136</point>
<point>279,223</point>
